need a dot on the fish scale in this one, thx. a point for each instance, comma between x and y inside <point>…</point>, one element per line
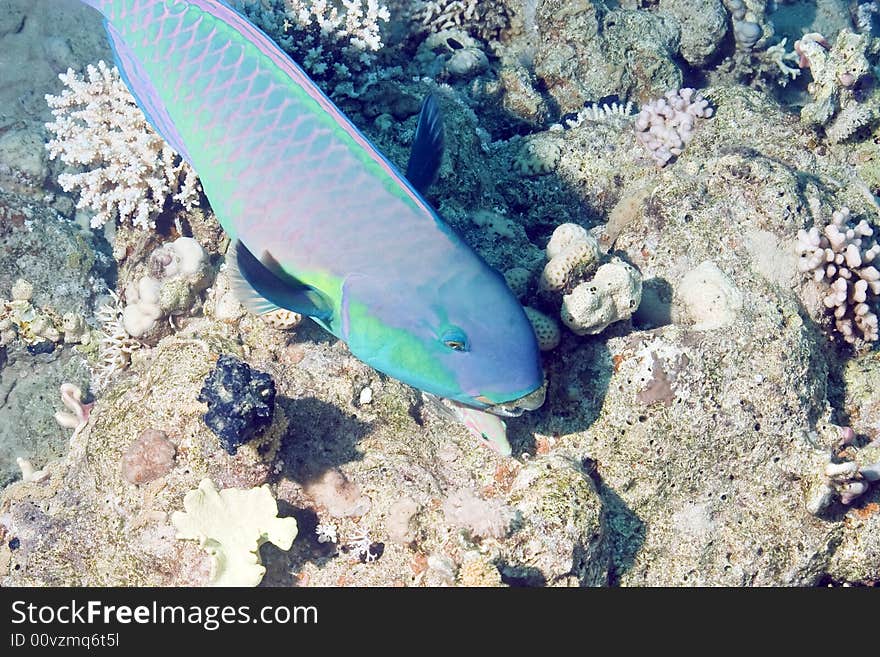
<point>297,184</point>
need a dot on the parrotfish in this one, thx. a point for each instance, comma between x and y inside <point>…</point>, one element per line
<point>320,222</point>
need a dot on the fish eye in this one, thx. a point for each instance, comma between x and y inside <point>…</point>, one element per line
<point>455,339</point>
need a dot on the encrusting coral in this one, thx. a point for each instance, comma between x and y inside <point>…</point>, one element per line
<point>149,457</point>
<point>842,255</point>
<point>131,171</point>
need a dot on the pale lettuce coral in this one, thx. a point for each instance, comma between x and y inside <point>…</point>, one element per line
<point>231,525</point>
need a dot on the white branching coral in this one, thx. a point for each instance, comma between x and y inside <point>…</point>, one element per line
<point>130,171</point>
<point>786,62</point>
<point>841,254</point>
<point>601,113</point>
<point>115,346</point>
<point>484,18</point>
<point>666,125</point>
<point>326,532</point>
<point>310,29</point>
<point>362,546</point>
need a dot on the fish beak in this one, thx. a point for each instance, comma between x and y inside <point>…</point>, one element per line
<point>532,401</point>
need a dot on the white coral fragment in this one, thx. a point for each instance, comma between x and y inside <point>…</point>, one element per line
<point>231,526</point>
<point>130,171</point>
<point>709,297</point>
<point>611,295</point>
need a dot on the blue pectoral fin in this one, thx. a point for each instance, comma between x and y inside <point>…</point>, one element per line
<point>426,153</point>
<point>144,92</point>
<point>261,285</point>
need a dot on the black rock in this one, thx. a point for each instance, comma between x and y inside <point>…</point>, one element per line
<point>240,401</point>
<point>41,347</point>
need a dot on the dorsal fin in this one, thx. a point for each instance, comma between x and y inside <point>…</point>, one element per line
<point>426,153</point>
<point>263,286</point>
<point>138,82</point>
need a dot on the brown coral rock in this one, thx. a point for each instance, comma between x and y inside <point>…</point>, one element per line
<point>149,457</point>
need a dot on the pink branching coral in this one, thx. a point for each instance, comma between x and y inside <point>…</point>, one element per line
<point>666,125</point>
<point>841,254</point>
<point>71,397</point>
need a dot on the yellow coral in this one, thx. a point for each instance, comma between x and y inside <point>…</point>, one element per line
<point>231,526</point>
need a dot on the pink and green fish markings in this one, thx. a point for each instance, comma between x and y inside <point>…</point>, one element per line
<point>321,222</point>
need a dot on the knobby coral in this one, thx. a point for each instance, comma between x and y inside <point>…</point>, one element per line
<point>666,125</point>
<point>841,255</point>
<point>130,172</point>
<point>595,295</point>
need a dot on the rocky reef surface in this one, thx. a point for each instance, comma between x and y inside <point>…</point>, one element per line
<point>722,432</point>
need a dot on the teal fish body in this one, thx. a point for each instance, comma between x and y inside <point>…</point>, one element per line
<point>322,223</point>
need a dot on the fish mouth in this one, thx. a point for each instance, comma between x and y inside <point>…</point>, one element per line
<point>530,402</point>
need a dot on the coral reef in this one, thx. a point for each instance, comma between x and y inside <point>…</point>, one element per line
<point>241,402</point>
<point>692,446</point>
<point>130,171</point>
<point>231,526</point>
<point>843,257</point>
<point>703,27</point>
<point>586,52</point>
